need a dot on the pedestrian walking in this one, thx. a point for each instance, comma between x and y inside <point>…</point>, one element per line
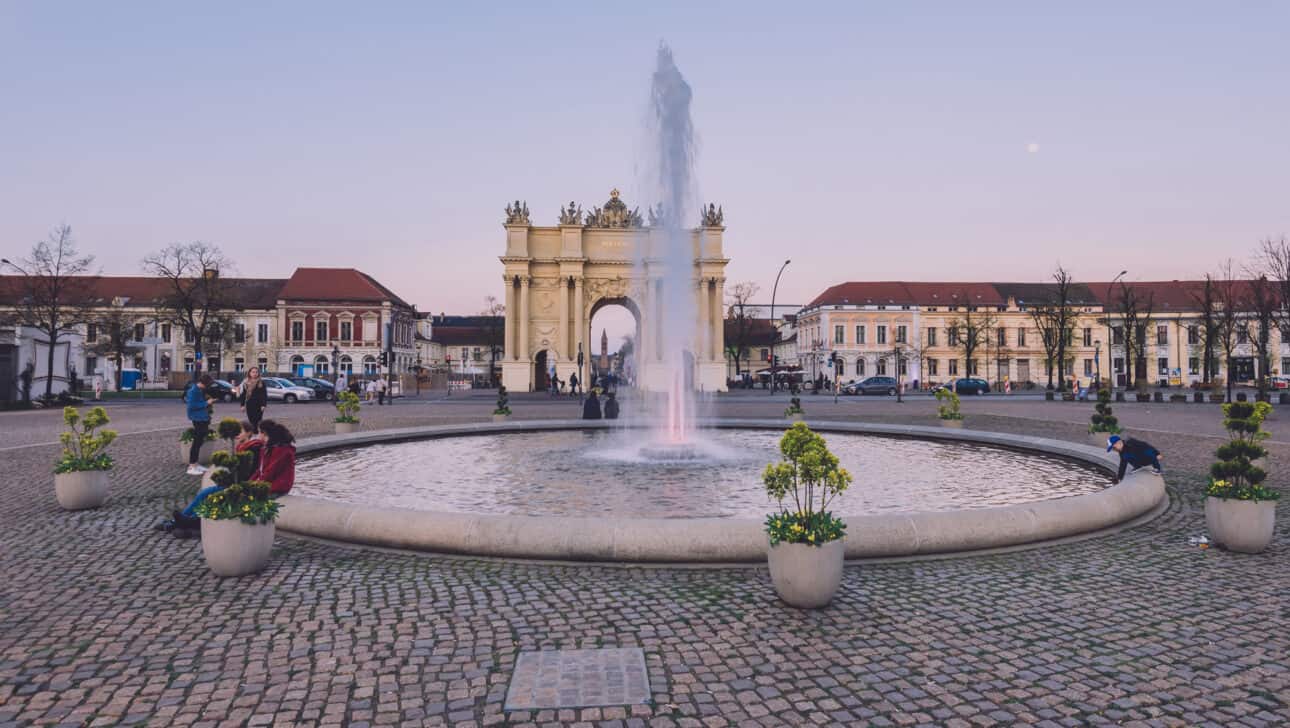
<point>371,390</point>
<point>254,397</point>
<point>199,414</point>
<point>1133,452</point>
<point>342,382</point>
<point>573,384</point>
<point>382,388</point>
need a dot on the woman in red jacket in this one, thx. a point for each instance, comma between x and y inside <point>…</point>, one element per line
<point>278,460</point>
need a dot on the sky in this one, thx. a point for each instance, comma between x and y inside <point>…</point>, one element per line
<point>863,140</point>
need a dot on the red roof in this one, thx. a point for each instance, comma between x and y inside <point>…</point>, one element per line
<point>149,291</point>
<point>336,284</point>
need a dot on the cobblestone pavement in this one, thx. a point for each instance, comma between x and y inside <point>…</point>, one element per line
<point>105,622</point>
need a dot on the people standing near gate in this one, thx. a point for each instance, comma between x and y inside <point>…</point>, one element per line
<point>254,397</point>
<point>573,384</point>
<point>199,414</point>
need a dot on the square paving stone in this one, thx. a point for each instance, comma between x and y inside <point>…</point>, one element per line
<point>578,679</point>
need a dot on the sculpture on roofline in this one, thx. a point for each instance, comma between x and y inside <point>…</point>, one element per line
<point>713,216</point>
<point>571,216</point>
<point>614,214</point>
<point>518,213</point>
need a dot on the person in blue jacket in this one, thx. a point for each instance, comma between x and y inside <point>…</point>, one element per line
<point>199,414</point>
<point>1133,452</point>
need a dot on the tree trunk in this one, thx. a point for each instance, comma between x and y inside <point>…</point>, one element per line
<point>49,364</point>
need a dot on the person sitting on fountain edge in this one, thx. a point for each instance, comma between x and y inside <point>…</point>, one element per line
<point>1133,452</point>
<point>591,407</point>
<point>611,406</point>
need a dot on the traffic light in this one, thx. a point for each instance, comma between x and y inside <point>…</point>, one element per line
<point>385,359</point>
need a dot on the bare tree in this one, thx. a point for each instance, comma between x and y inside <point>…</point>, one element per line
<point>1136,310</point>
<point>55,294</point>
<point>1206,300</point>
<point>1261,303</point>
<point>199,299</point>
<point>969,332</point>
<point>494,314</point>
<point>1227,320</point>
<point>114,329</point>
<point>742,321</point>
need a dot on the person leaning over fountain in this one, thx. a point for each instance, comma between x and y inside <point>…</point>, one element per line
<point>591,407</point>
<point>1133,452</point>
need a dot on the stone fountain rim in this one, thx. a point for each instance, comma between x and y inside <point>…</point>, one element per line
<point>718,540</point>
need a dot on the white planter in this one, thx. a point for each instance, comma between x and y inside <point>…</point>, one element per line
<point>233,548</point>
<point>80,490</point>
<point>952,424</point>
<point>501,418</point>
<point>806,576</point>
<point>345,428</point>
<point>203,457</point>
<point>1241,525</point>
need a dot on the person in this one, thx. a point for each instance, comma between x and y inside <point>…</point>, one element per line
<point>254,397</point>
<point>611,406</point>
<point>277,465</point>
<point>381,387</point>
<point>371,390</point>
<point>1133,452</point>
<point>98,388</point>
<point>185,522</point>
<point>342,382</point>
<point>199,414</point>
<point>591,407</point>
<point>573,384</point>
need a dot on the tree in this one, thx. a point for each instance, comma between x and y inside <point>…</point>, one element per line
<point>55,295</point>
<point>1054,316</point>
<point>494,314</point>
<point>1260,302</point>
<point>115,335</point>
<point>1227,319</point>
<point>1136,309</point>
<point>198,298</point>
<point>969,332</point>
<point>740,324</point>
<point>1206,301</point>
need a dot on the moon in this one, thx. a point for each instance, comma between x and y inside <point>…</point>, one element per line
<point>1032,147</point>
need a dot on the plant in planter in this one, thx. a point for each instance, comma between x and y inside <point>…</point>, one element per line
<point>81,474</point>
<point>503,410</point>
<point>1240,512</point>
<point>208,446</point>
<point>228,429</point>
<point>347,407</point>
<point>794,411</point>
<point>1103,424</point>
<point>948,409</point>
<point>805,555</point>
<point>237,521</point>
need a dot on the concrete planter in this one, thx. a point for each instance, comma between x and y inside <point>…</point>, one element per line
<point>1119,396</point>
<point>952,424</point>
<point>804,576</point>
<point>501,418</point>
<point>1198,397</point>
<point>80,490</point>
<point>345,428</point>
<point>233,548</point>
<point>1178,398</point>
<point>1241,525</point>
<point>204,457</point>
<point>1143,397</point>
<point>795,417</point>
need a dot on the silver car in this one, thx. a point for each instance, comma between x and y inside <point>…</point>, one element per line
<point>286,391</point>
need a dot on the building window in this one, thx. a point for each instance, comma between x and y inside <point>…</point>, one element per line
<point>1002,336</point>
<point>839,334</point>
<point>296,361</point>
<point>972,370</point>
<point>346,330</point>
<point>1021,337</point>
<point>189,334</point>
<point>954,367</point>
<point>321,365</point>
<point>263,364</point>
<point>1088,367</point>
<point>1117,335</point>
<point>882,363</point>
<point>346,365</point>
<point>91,333</point>
<point>320,331</point>
<point>212,364</point>
<point>297,330</point>
<point>1193,365</point>
<point>859,367</point>
<point>1003,370</point>
<point>262,333</point>
<point>369,365</point>
<point>1088,336</point>
<point>1193,334</point>
<point>1162,335</point>
<point>239,364</point>
<point>1242,335</point>
<point>239,333</point>
<point>904,366</point>
<point>165,333</point>
<point>1285,365</point>
<point>91,364</point>
<point>1162,365</point>
<point>902,334</point>
<point>931,336</point>
<point>139,332</point>
<point>952,335</point>
<point>465,353</point>
<point>477,354</point>
<point>932,366</point>
<point>1118,364</point>
<point>882,334</point>
<point>859,334</point>
<point>188,363</point>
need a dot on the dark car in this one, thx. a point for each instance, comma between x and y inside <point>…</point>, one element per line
<point>222,390</point>
<point>322,389</point>
<point>872,385</point>
<point>969,385</point>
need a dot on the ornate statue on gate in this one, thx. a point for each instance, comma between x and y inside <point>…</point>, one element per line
<point>571,216</point>
<point>614,214</point>
<point>517,214</point>
<point>713,216</point>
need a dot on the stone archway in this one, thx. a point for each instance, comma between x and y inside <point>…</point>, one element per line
<point>556,277</point>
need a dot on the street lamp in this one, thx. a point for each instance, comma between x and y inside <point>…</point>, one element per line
<point>1109,338</point>
<point>774,337</point>
<point>335,365</point>
<point>1097,360</point>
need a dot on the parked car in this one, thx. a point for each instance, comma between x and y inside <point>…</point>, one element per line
<point>286,390</point>
<point>967,385</point>
<point>222,390</point>
<point>322,389</point>
<point>872,385</point>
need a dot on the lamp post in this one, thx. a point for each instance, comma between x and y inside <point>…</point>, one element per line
<point>1109,338</point>
<point>774,337</point>
<point>335,365</point>
<point>1097,360</point>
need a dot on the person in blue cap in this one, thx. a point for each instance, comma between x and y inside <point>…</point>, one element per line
<point>1133,452</point>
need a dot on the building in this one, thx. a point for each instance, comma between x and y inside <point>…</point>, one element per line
<point>316,320</point>
<point>916,328</point>
<point>465,348</point>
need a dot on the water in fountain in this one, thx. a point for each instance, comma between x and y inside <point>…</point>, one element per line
<point>672,170</point>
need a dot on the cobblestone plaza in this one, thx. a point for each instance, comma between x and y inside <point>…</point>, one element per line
<point>104,621</point>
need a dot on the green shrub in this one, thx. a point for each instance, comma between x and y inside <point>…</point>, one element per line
<point>187,435</point>
<point>229,429</point>
<point>347,407</point>
<point>948,409</point>
<point>810,475</point>
<point>794,407</point>
<point>83,448</point>
<point>1235,475</point>
<point>240,499</point>
<point>1102,419</point>
<point>503,402</point>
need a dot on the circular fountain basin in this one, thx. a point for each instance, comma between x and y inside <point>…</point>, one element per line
<point>592,491</point>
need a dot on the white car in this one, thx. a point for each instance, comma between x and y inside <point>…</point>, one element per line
<point>286,391</point>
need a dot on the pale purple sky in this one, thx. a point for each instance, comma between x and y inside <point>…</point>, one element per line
<point>864,140</point>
